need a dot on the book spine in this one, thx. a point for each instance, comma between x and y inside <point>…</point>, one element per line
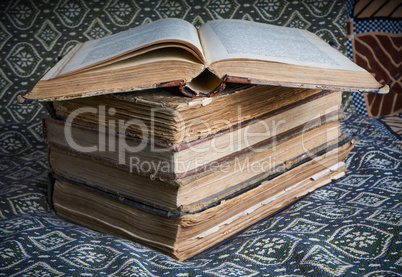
<point>50,187</point>
<point>187,91</point>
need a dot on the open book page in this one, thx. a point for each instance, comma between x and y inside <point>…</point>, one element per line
<point>159,31</point>
<point>237,39</point>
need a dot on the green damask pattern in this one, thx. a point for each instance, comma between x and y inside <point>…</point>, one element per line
<point>34,32</point>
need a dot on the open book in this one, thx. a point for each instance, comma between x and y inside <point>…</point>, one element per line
<point>172,52</point>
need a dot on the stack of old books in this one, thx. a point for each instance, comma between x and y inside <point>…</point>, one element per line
<point>181,174</point>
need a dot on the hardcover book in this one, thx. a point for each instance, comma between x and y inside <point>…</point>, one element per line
<point>172,52</point>
<point>168,117</point>
<point>184,235</point>
<point>126,141</point>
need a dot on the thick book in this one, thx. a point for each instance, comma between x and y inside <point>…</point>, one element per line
<point>182,159</point>
<point>172,52</point>
<point>200,188</point>
<point>184,235</point>
<point>168,117</point>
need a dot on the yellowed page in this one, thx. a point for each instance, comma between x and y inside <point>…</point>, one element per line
<point>237,39</point>
<point>163,30</point>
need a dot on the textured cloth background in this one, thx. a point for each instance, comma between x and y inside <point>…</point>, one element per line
<point>375,40</point>
<point>34,33</point>
<point>351,227</point>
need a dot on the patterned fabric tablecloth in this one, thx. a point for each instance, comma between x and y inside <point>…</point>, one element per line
<point>351,227</point>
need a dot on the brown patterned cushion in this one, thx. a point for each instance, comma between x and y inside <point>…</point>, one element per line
<point>381,54</point>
